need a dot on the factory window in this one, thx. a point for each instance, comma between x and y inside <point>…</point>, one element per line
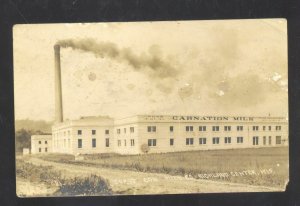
<point>255,128</point>
<point>79,143</point>
<point>119,143</point>
<point>132,142</point>
<point>151,142</point>
<point>255,140</point>
<point>215,128</point>
<point>278,128</point>
<point>46,142</point>
<point>239,140</point>
<point>151,128</point>
<point>227,128</point>
<point>40,149</point>
<point>93,132</point>
<point>124,130</point>
<point>264,128</point>
<point>202,128</point>
<point>202,140</point>
<point>46,149</point>
<point>189,128</point>
<point>264,140</point>
<point>106,131</point>
<point>171,128</point>
<point>239,128</point>
<point>118,131</point>
<point>227,140</point>
<point>216,140</point>
<point>278,139</point>
<point>69,133</point>
<point>131,129</point>
<point>69,143</point>
<point>125,142</point>
<point>79,132</point>
<point>270,128</point>
<point>40,142</point>
<point>171,142</point>
<point>189,141</point>
<point>93,142</point>
<point>107,142</point>
<point>270,140</point>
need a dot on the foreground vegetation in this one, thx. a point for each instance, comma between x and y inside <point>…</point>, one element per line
<point>23,139</point>
<point>263,166</point>
<point>92,185</point>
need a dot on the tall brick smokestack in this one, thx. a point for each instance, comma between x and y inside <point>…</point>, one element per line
<point>58,91</point>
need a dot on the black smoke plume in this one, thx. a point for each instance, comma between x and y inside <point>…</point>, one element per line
<point>152,63</point>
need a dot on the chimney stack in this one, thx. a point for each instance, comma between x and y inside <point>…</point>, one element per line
<point>58,91</point>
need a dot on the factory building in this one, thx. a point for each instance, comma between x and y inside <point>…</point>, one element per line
<point>159,134</point>
<point>156,134</point>
<point>86,135</point>
<point>41,144</point>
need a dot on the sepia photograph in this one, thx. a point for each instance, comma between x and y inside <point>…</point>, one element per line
<point>142,108</point>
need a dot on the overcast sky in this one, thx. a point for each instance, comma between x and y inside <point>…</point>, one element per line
<point>232,67</point>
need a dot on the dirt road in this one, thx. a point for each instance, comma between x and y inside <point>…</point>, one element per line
<point>132,182</point>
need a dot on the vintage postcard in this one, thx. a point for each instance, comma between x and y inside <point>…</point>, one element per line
<point>137,108</point>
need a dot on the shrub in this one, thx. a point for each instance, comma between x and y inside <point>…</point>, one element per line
<point>145,148</point>
<point>92,185</point>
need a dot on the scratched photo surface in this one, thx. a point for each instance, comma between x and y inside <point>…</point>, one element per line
<point>137,108</point>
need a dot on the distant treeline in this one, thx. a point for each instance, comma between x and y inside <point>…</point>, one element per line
<point>25,128</point>
<point>34,125</point>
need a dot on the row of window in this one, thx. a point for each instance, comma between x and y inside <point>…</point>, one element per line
<point>125,142</point>
<point>131,129</point>
<point>46,142</point>
<point>228,128</point>
<point>79,132</point>
<point>94,143</point>
<point>187,128</point>
<point>216,128</point>
<point>56,143</point>
<point>46,149</point>
<point>64,133</point>
<point>93,131</point>
<point>216,140</point>
<point>189,141</point>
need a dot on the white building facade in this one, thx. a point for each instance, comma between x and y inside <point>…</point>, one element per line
<point>159,134</point>
<point>41,144</point>
<point>84,136</point>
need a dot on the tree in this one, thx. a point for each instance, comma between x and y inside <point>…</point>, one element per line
<point>23,139</point>
<point>145,148</point>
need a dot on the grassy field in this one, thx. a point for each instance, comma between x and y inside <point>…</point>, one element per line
<point>48,181</point>
<point>262,166</point>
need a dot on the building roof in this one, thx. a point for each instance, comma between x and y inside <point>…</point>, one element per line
<point>200,119</point>
<point>87,121</point>
<point>42,136</point>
